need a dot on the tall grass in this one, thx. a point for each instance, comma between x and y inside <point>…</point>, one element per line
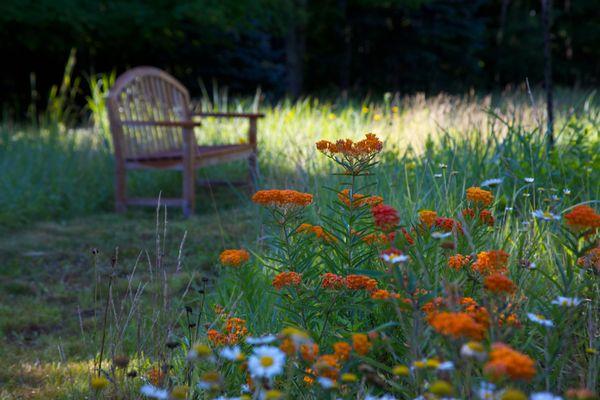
<point>50,171</point>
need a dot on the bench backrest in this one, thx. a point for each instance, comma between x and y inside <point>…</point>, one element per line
<point>146,94</point>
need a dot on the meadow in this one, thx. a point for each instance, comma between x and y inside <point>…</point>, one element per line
<point>98,305</point>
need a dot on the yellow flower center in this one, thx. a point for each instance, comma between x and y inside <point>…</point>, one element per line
<point>475,346</point>
<point>266,361</point>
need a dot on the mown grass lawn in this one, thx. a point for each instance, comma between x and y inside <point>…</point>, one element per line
<point>47,275</point>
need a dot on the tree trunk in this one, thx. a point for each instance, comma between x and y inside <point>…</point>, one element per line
<point>295,49</point>
<point>546,25</point>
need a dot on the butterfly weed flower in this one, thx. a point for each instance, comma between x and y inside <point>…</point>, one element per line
<point>457,325</point>
<point>361,343</point>
<point>479,196</point>
<point>360,282</point>
<point>506,362</point>
<point>332,281</point>
<point>283,199</point>
<point>492,261</point>
<point>285,279</point>
<point>386,217</point>
<point>427,217</point>
<point>582,217</point>
<point>234,257</point>
<point>358,200</point>
<point>499,283</point>
<point>458,261</point>
<point>354,157</point>
<point>342,350</point>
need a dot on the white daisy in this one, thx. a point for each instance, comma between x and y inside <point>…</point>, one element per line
<point>545,215</point>
<point>261,340</point>
<point>540,319</point>
<point>154,392</point>
<point>566,191</point>
<point>544,396</point>
<point>446,366</point>
<point>566,301</point>
<point>394,258</point>
<point>266,362</point>
<point>529,180</point>
<point>232,353</point>
<point>491,182</point>
<point>473,350</point>
<point>485,391</point>
<point>326,383</point>
<point>441,235</point>
<point>437,175</point>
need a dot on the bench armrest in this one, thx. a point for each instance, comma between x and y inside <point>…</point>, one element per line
<point>228,115</point>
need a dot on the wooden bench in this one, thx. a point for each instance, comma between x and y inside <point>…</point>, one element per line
<point>152,126</point>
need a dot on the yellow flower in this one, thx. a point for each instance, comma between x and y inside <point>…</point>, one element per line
<point>441,388</point>
<point>401,370</point>
<point>180,392</point>
<point>331,116</point>
<point>348,377</point>
<point>513,394</point>
<point>377,117</point>
<point>273,395</point>
<point>395,109</point>
<point>419,364</point>
<point>432,363</point>
<point>365,109</point>
<point>98,383</point>
<point>201,350</point>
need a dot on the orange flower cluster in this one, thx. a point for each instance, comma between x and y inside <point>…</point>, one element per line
<point>342,350</point>
<point>327,366</point>
<point>358,200</point>
<point>235,329</point>
<point>156,376</point>
<point>506,362</point>
<point>285,279</point>
<point>386,217</point>
<point>332,281</point>
<point>282,198</point>
<point>591,260</point>
<point>499,283</point>
<point>309,351</point>
<point>376,238</point>
<point>480,196</point>
<point>318,231</point>
<point>234,257</point>
<point>288,347</point>
<point>457,325</point>
<point>583,217</point>
<point>360,282</point>
<point>492,261</point>
<point>448,224</point>
<point>367,147</point>
<point>465,304</point>
<point>427,217</point>
<point>458,261</point>
<point>485,216</point>
<point>383,294</point>
<point>361,343</point>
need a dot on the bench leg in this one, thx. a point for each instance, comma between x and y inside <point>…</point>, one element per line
<point>189,195</point>
<point>120,188</point>
<point>252,172</point>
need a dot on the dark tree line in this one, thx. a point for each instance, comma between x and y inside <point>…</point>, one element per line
<point>301,46</point>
